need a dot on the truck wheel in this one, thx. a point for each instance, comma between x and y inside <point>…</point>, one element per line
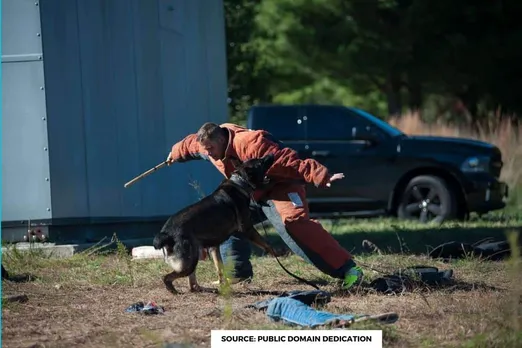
<point>427,198</point>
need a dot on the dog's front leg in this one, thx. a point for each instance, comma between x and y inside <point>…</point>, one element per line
<point>218,264</point>
<point>256,239</point>
<point>193,283</point>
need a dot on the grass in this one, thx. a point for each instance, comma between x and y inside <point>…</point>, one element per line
<point>81,300</point>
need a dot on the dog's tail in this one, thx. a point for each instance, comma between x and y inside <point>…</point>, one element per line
<point>161,240</point>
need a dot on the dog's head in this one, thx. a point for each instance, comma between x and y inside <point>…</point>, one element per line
<point>253,171</point>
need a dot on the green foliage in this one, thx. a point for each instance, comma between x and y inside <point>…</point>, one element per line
<point>326,91</point>
<point>247,81</point>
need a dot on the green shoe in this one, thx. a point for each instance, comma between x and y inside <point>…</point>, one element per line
<point>352,277</point>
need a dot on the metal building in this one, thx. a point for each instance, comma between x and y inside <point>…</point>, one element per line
<point>96,92</point>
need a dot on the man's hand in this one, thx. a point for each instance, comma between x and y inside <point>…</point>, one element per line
<point>336,176</point>
<point>169,160</point>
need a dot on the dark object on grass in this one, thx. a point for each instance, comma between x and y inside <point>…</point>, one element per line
<point>153,308</point>
<point>410,278</point>
<point>22,298</point>
<point>486,249</point>
<point>135,307</point>
<point>17,278</point>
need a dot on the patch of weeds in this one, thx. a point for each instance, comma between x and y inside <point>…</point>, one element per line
<point>494,339</point>
<point>16,260</point>
<point>123,255</point>
<point>428,342</point>
<point>403,247</point>
<point>11,305</point>
<point>506,332</point>
<point>97,249</point>
<point>515,262</point>
<point>225,290</point>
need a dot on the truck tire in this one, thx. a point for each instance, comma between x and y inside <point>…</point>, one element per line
<point>427,198</point>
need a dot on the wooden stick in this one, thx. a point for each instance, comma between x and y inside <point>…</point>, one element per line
<point>148,172</point>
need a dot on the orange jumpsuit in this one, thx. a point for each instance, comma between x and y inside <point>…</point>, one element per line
<point>245,144</point>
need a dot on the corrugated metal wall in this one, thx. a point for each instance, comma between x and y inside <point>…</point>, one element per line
<point>124,80</point>
<point>25,160</point>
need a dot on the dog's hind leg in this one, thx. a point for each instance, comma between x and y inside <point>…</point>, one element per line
<point>218,264</point>
<point>193,283</point>
<point>180,269</point>
<point>168,279</point>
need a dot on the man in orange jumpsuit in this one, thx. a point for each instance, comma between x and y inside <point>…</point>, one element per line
<point>283,204</point>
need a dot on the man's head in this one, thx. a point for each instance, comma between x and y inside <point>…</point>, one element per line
<point>213,139</point>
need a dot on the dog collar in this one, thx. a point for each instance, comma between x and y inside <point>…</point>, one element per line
<point>244,186</point>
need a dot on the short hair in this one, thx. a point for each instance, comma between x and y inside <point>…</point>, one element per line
<point>209,131</point>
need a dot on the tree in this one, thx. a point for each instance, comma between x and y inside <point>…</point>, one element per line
<point>247,80</point>
<point>359,44</point>
<point>401,48</point>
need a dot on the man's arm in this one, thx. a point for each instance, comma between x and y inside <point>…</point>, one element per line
<point>187,149</point>
<point>287,164</point>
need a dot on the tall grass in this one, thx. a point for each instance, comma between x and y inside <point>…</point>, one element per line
<point>500,132</point>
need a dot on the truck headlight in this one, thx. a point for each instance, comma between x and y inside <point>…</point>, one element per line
<point>475,164</point>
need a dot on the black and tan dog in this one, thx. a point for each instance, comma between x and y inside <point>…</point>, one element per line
<point>211,221</point>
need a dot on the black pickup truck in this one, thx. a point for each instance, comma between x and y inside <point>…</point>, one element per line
<point>386,171</point>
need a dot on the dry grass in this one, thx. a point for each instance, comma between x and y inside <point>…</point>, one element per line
<point>499,131</point>
<point>81,301</point>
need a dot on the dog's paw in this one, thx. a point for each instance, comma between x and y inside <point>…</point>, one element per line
<point>195,288</point>
<point>173,291</point>
<point>170,288</point>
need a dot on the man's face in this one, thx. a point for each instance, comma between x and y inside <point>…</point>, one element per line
<point>215,148</point>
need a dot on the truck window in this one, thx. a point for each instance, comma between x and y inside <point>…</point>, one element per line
<point>331,123</point>
<point>284,122</point>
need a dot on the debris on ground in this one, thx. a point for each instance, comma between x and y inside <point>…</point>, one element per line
<point>295,308</point>
<point>486,249</point>
<point>22,298</point>
<point>150,308</point>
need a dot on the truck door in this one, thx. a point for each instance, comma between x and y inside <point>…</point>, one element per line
<point>332,134</point>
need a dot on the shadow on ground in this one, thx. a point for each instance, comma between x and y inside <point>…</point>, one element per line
<point>366,289</point>
<point>405,241</point>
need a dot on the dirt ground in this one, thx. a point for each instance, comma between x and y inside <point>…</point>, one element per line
<point>81,302</point>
